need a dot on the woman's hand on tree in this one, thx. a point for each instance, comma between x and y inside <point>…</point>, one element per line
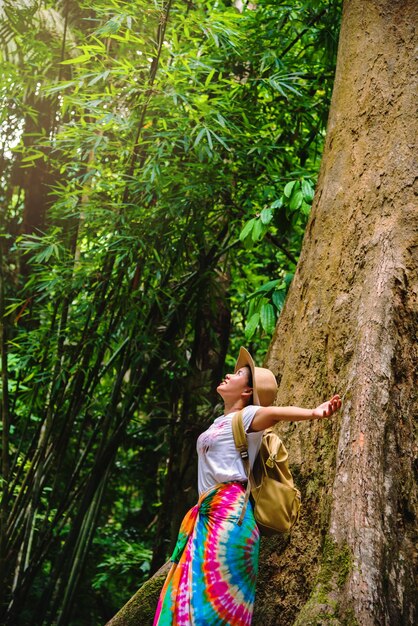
<point>326,409</point>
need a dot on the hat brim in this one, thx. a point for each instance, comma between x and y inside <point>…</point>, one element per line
<point>245,359</point>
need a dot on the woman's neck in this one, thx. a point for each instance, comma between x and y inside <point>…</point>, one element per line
<point>233,407</point>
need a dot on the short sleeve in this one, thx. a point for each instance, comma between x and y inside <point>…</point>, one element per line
<point>248,415</point>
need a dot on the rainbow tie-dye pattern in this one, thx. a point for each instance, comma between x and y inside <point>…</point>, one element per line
<point>213,577</point>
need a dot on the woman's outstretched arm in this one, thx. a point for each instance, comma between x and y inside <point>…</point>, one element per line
<point>267,416</point>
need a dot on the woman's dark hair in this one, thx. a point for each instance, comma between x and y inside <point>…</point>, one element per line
<point>250,382</point>
<point>250,375</point>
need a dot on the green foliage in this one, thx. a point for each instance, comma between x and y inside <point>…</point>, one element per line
<point>125,566</point>
<point>267,301</point>
<point>337,563</point>
<point>158,171</point>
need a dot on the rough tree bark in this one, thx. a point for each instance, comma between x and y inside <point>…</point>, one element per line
<point>348,326</point>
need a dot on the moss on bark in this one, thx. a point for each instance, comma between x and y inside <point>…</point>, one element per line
<point>323,607</point>
<point>140,609</point>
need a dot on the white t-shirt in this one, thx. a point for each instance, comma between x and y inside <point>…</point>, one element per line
<point>218,459</point>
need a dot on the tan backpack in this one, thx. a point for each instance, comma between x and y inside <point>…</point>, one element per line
<point>276,501</point>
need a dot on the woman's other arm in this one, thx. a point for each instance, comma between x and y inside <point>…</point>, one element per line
<point>267,416</point>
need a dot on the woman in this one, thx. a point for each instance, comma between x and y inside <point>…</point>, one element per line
<point>215,561</point>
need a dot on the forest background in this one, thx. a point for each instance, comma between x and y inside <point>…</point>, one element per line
<point>158,164</point>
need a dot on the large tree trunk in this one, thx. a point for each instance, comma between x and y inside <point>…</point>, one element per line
<point>348,326</point>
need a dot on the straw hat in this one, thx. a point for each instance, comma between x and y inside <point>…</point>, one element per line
<point>264,381</point>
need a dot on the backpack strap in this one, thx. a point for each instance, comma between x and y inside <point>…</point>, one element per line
<point>241,444</point>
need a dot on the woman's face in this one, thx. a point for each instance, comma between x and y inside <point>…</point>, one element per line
<point>234,385</point>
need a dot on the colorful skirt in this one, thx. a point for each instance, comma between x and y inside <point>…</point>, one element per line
<point>213,576</point>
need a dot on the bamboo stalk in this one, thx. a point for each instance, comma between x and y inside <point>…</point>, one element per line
<point>5,417</point>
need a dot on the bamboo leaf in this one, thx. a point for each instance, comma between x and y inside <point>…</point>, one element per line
<point>199,137</point>
<point>209,138</point>
<point>36,154</point>
<point>268,286</point>
<point>76,60</point>
<point>209,78</point>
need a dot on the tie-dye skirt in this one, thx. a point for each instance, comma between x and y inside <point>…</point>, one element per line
<point>213,576</point>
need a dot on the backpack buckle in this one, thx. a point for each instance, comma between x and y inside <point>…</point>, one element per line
<point>244,453</point>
